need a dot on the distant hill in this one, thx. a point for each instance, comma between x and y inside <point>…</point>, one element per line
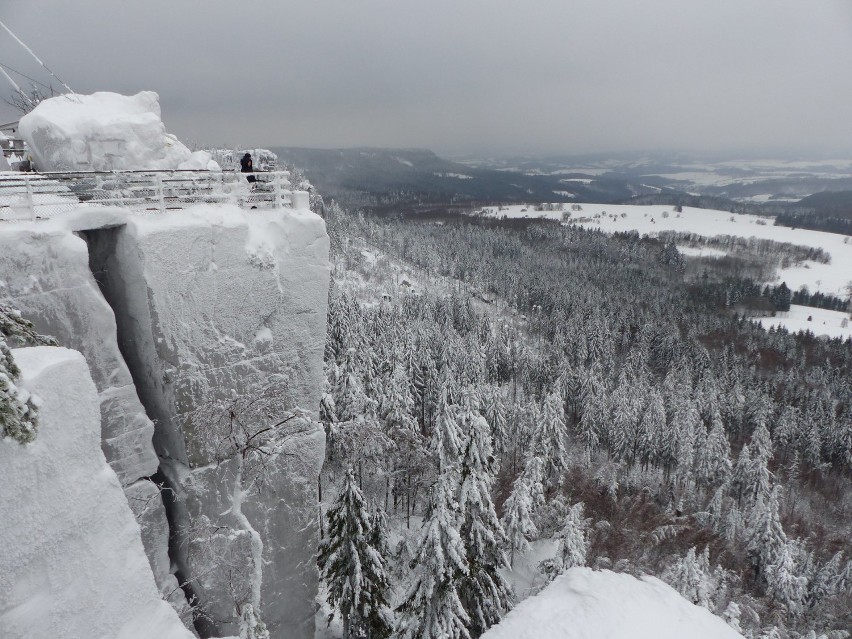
<point>417,179</point>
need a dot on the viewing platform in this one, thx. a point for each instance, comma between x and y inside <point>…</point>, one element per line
<point>34,196</point>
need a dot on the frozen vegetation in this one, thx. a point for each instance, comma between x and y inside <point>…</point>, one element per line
<point>633,421</point>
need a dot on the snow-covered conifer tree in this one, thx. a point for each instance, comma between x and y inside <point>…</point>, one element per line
<point>519,508</point>
<point>18,411</point>
<point>483,591</point>
<point>496,415</point>
<point>350,399</point>
<point>766,535</point>
<point>653,434</point>
<point>713,460</point>
<point>353,568</point>
<point>784,584</point>
<point>741,477</point>
<point>573,542</point>
<point>760,477</point>
<point>827,581</point>
<point>432,608</point>
<point>691,577</point>
<point>447,439</point>
<point>548,443</point>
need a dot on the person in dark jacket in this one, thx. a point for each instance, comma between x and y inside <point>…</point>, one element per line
<point>246,166</point>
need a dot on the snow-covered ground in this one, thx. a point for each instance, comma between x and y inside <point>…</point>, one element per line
<point>587,604</point>
<point>829,278</point>
<point>821,322</point>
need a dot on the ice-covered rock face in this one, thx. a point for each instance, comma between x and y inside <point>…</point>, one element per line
<point>101,132</point>
<point>214,303</point>
<point>44,272</point>
<point>72,563</point>
<point>206,304</point>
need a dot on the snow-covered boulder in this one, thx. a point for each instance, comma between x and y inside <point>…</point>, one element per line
<point>101,132</point>
<point>199,161</point>
<point>72,563</point>
<point>587,604</point>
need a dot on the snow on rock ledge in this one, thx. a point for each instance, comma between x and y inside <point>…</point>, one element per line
<point>586,604</point>
<point>101,132</point>
<point>73,564</point>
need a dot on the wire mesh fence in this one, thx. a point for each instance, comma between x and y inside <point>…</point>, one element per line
<point>46,195</point>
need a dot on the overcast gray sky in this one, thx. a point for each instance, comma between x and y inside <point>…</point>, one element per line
<point>478,76</point>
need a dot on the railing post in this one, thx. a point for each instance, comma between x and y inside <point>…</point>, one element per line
<point>161,198</point>
<point>278,204</point>
<point>30,200</point>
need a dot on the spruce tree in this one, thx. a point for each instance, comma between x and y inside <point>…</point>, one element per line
<point>548,442</point>
<point>784,583</point>
<point>353,568</point>
<point>691,577</point>
<point>519,508</point>
<point>432,608</point>
<point>483,591</point>
<point>766,537</point>
<point>447,439</point>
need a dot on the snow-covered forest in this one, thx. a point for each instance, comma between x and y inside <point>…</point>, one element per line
<point>508,399</point>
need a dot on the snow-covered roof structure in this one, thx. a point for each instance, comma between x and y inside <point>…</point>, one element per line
<point>587,604</point>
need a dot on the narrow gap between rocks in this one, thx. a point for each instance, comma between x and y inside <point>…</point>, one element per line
<point>140,356</point>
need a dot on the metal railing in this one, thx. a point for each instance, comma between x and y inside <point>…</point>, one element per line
<point>45,195</point>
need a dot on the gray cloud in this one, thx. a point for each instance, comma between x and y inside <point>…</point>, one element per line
<point>463,76</point>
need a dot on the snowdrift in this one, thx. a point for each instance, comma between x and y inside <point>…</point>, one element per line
<point>586,604</point>
<point>102,132</point>
<point>73,564</point>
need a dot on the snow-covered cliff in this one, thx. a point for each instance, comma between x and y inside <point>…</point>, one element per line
<point>204,330</point>
<point>72,563</point>
<point>176,313</point>
<point>212,304</point>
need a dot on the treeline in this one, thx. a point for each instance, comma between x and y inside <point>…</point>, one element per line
<point>827,211</point>
<point>743,294</point>
<point>785,253</point>
<point>816,222</point>
<point>804,297</point>
<point>713,202</point>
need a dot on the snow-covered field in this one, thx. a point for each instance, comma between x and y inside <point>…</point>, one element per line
<point>587,604</point>
<point>829,278</point>
<point>822,321</point>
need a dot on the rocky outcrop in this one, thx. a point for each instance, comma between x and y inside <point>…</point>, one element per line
<point>234,304</point>
<point>44,272</point>
<point>176,313</point>
<point>72,563</point>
